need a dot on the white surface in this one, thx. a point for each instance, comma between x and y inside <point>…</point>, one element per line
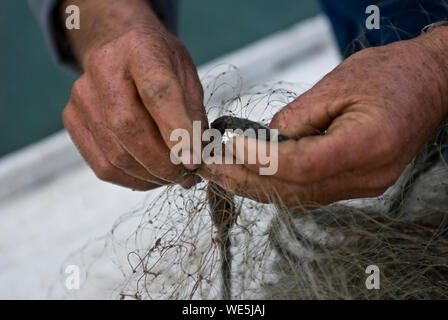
<point>40,228</point>
<point>57,211</point>
<point>26,168</point>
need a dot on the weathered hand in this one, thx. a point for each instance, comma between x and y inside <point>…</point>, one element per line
<point>139,84</point>
<point>356,130</point>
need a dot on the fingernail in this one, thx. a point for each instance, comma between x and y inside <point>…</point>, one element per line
<point>190,182</point>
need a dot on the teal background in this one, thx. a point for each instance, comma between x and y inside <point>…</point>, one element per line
<point>33,90</point>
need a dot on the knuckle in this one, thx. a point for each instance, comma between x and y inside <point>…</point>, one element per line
<point>103,62</point>
<point>280,118</point>
<point>96,59</point>
<point>123,122</point>
<point>135,35</point>
<point>78,89</point>
<point>180,48</point>
<point>67,115</point>
<point>104,171</point>
<point>80,93</point>
<point>144,42</point>
<point>159,87</point>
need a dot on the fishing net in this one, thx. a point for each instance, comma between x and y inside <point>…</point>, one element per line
<point>167,248</point>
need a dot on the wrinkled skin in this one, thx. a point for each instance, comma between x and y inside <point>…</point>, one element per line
<point>138,84</point>
<point>358,127</point>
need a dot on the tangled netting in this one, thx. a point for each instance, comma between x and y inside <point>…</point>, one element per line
<point>167,248</point>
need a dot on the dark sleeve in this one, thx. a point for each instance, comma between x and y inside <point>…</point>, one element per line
<point>400,20</point>
<point>46,13</point>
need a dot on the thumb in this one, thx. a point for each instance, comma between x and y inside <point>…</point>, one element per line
<point>308,115</point>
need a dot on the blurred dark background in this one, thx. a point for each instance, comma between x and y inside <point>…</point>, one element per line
<point>33,90</point>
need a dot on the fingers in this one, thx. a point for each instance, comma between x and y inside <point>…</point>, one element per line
<point>88,104</point>
<point>94,156</point>
<point>163,97</point>
<point>309,114</point>
<point>348,145</point>
<point>136,90</point>
<point>313,111</point>
<point>133,127</point>
<point>191,85</point>
<point>319,169</point>
<point>239,180</point>
<point>267,189</point>
<point>194,95</point>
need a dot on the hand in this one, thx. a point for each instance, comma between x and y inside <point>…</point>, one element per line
<point>139,84</point>
<point>355,131</point>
